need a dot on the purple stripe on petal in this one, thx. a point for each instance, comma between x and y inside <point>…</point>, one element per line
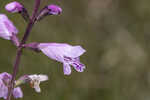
<point>78,67</point>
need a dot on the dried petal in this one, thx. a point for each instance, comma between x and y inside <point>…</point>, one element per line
<point>36,80</point>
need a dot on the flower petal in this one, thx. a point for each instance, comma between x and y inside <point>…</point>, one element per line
<point>43,77</point>
<point>78,66</point>
<point>52,51</point>
<point>67,69</point>
<point>3,90</point>
<point>75,51</point>
<point>7,29</point>
<point>37,88</point>
<point>57,51</point>
<point>17,92</point>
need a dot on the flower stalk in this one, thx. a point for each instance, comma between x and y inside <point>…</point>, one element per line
<point>67,54</point>
<point>20,48</point>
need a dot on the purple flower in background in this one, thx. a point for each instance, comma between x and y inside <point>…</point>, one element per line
<point>5,78</point>
<point>7,29</point>
<point>54,9</point>
<point>14,7</point>
<point>65,53</point>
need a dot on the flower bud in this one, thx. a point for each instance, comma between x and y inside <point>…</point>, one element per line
<point>54,10</point>
<point>49,10</point>
<point>14,7</point>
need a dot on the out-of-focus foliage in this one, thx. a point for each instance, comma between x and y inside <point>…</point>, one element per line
<point>116,35</point>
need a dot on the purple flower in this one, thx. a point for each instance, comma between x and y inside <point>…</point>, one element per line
<point>65,53</point>
<point>14,7</point>
<point>54,9</point>
<point>5,78</point>
<point>7,29</point>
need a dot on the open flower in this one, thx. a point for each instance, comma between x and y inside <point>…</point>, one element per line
<point>7,29</point>
<point>5,78</point>
<point>14,7</point>
<point>35,81</point>
<point>65,53</point>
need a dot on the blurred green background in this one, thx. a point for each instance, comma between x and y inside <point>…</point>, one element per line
<point>116,35</point>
